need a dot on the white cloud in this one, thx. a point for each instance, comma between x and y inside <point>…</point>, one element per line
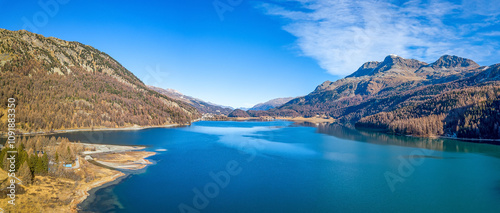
<point>341,35</point>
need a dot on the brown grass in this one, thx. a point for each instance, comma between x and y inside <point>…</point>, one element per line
<point>50,194</point>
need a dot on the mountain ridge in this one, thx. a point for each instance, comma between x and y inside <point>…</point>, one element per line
<point>201,105</point>
<point>273,103</point>
<point>397,87</point>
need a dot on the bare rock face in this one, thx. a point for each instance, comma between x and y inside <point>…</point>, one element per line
<point>448,68</point>
<point>397,65</point>
<point>366,69</point>
<point>449,61</point>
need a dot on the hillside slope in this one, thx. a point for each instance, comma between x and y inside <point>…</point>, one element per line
<point>60,85</point>
<point>467,108</point>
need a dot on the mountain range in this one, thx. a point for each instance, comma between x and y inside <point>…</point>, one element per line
<point>271,104</point>
<point>200,105</point>
<point>452,96</point>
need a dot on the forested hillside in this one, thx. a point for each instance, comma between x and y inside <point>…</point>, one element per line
<point>452,96</point>
<point>59,85</point>
<point>467,108</point>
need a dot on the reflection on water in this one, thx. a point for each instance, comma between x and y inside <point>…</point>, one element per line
<point>439,144</point>
<point>247,140</point>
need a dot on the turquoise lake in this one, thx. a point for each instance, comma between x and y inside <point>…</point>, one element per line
<point>281,166</point>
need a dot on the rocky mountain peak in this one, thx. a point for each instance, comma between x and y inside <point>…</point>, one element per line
<point>452,61</point>
<point>325,85</point>
<point>365,69</point>
<point>395,60</point>
<point>398,64</point>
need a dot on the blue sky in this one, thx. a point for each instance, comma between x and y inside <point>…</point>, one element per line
<point>262,49</point>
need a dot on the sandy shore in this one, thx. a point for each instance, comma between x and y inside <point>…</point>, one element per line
<point>110,159</point>
<point>124,160</point>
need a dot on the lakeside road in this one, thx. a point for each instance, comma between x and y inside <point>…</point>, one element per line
<point>59,131</point>
<point>115,128</point>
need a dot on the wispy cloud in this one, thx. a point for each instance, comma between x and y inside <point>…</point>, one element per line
<point>494,33</point>
<point>343,34</point>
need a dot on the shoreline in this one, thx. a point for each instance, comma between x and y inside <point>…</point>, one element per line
<point>472,140</point>
<point>317,121</point>
<point>314,120</point>
<point>91,194</point>
<point>124,160</point>
<point>469,139</point>
<point>296,119</point>
<point>89,191</point>
<point>128,128</point>
<point>311,120</point>
<point>121,173</point>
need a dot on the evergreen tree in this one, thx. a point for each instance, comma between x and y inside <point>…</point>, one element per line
<point>5,163</point>
<point>25,174</point>
<point>45,163</point>
<point>3,153</point>
<point>33,161</point>
<point>22,156</point>
<point>39,167</point>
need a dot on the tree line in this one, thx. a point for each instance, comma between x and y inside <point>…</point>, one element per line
<point>39,156</point>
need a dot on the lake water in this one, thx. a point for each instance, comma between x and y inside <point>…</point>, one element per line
<point>280,166</point>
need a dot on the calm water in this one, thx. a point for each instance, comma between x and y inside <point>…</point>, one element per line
<point>283,167</point>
